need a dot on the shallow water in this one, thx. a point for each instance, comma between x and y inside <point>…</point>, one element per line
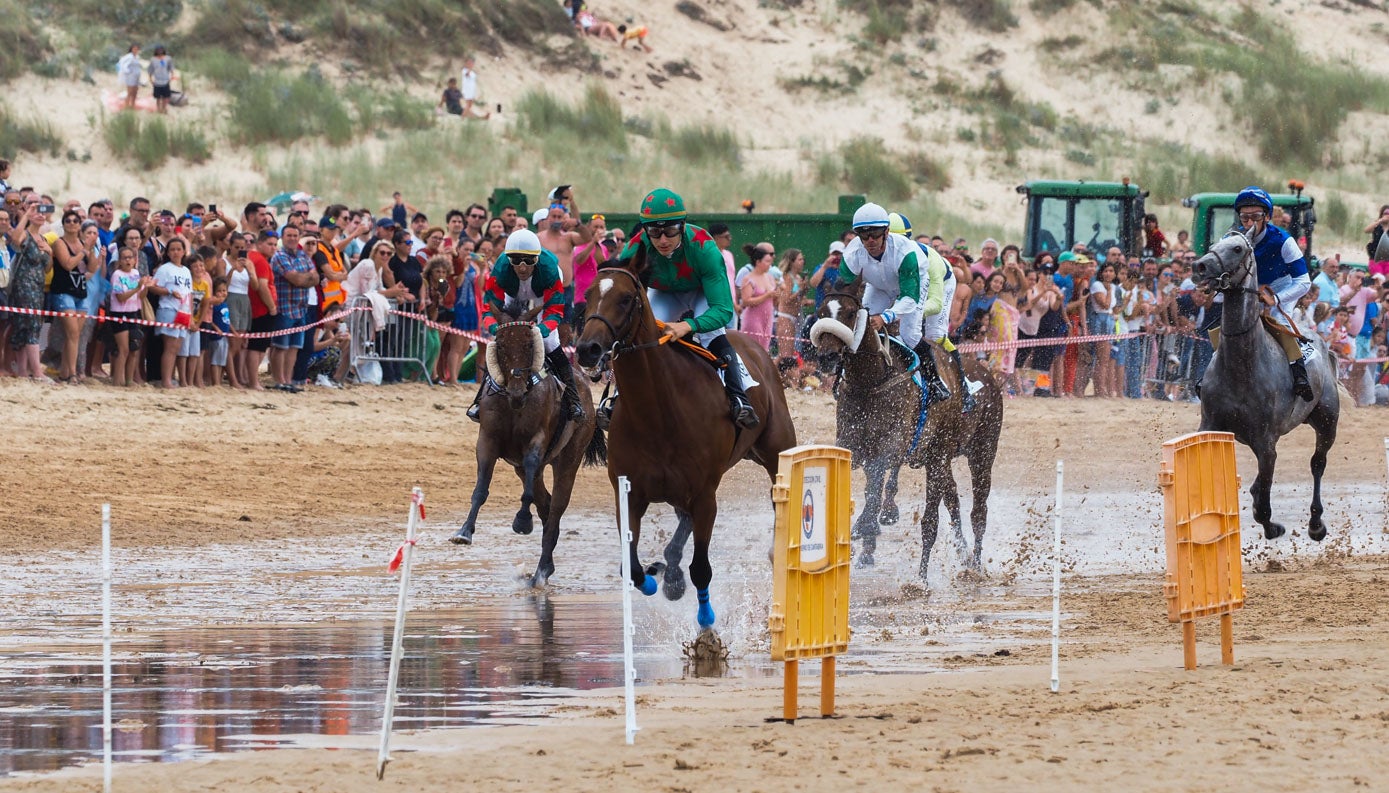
<point>185,693</point>
<point>482,650</point>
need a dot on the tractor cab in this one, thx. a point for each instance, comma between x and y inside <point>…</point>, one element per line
<point>1214,215</point>
<point>1098,214</point>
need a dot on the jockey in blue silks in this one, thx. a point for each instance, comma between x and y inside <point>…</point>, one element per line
<point>1281,271</point>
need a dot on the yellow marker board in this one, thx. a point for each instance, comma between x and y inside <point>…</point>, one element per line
<point>810,600</point>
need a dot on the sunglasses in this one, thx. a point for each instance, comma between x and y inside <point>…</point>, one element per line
<point>380,252</point>
<point>657,232</point>
<point>871,234</point>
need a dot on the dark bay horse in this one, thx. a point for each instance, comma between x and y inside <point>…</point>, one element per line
<point>524,423</point>
<point>878,414</point>
<point>1248,388</point>
<point>671,433</point>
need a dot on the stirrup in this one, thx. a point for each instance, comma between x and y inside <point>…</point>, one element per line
<point>743,414</point>
<point>475,412</point>
<point>937,391</point>
<point>603,415</point>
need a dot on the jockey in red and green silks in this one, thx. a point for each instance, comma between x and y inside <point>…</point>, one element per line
<point>529,274</point>
<point>688,278</point>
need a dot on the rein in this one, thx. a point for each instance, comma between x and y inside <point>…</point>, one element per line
<point>1224,286</point>
<point>892,380</point>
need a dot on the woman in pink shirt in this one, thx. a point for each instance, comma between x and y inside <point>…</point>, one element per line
<point>758,292</point>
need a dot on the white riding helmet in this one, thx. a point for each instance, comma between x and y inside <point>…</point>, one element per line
<point>870,215</point>
<point>523,241</point>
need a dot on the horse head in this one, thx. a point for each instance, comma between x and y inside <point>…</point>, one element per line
<point>841,321</point>
<point>516,358</point>
<point>1228,264</point>
<point>617,310</point>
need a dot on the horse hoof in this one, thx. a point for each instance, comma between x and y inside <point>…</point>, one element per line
<point>889,516</point>
<point>540,580</point>
<point>674,583</point>
<point>705,616</point>
<point>1317,530</point>
<point>864,560</point>
<point>464,536</point>
<point>524,523</point>
<point>1275,530</point>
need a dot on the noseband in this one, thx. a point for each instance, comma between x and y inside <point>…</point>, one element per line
<point>1232,283</point>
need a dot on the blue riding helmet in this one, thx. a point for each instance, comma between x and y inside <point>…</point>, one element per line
<point>1254,196</point>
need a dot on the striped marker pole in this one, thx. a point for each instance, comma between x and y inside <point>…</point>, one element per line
<point>106,647</point>
<point>1056,586</point>
<point>629,675</point>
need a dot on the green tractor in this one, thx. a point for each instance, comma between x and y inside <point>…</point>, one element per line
<point>1098,214</point>
<point>1214,214</point>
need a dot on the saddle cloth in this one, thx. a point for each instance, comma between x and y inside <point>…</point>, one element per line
<point>1309,350</point>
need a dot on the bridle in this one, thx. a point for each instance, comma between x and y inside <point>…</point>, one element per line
<point>620,344</point>
<point>533,377</point>
<point>892,379</point>
<point>1232,282</point>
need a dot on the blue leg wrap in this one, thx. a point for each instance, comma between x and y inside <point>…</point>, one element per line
<point>649,586</point>
<point>706,611</point>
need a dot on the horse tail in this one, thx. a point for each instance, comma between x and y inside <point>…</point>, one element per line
<point>597,451</point>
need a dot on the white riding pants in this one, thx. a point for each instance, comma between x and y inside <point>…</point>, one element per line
<point>671,307</point>
<point>937,326</point>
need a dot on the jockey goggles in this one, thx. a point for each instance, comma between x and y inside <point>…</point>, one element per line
<point>673,228</point>
<point>522,259</point>
<point>871,232</point>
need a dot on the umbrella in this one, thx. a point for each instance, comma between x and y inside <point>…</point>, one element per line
<point>285,200</point>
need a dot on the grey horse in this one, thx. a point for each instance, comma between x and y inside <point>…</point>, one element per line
<point>1248,388</point>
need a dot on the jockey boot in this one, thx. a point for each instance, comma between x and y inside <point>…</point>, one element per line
<point>743,413</point>
<point>964,382</point>
<point>475,410</point>
<point>1301,385</point>
<point>936,390</point>
<point>564,372</point>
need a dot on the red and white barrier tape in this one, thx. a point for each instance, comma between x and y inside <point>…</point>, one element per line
<point>418,501</point>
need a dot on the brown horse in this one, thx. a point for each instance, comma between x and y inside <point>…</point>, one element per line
<point>671,433</point>
<point>878,418</point>
<point>524,423</point>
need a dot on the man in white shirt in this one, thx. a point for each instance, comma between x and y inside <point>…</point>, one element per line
<point>469,87</point>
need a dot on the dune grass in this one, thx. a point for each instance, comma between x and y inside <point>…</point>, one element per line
<point>21,43</point>
<point>151,142</point>
<point>595,120</point>
<point>37,136</point>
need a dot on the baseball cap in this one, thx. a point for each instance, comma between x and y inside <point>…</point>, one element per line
<point>836,247</point>
<point>327,223</point>
<point>1066,256</point>
<point>539,215</point>
<point>385,223</point>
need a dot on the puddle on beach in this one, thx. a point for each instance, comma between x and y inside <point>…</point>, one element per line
<point>186,693</point>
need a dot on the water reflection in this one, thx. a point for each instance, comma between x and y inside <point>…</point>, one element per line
<point>186,693</point>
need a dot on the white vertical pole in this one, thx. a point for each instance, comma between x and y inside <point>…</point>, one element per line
<point>106,646</point>
<point>1056,587</point>
<point>398,640</point>
<point>1386,456</point>
<point>624,533</point>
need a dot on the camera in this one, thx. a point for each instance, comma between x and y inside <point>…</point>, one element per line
<point>46,209</point>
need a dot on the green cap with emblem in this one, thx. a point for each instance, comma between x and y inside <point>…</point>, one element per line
<point>662,206</point>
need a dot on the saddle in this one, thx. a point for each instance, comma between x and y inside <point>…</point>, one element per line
<point>1292,343</point>
<point>1273,326</point>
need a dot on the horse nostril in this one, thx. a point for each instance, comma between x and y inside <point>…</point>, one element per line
<point>588,352</point>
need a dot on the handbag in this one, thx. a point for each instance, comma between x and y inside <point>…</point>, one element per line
<point>146,308</point>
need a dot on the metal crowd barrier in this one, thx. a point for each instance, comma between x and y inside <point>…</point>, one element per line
<point>404,340</point>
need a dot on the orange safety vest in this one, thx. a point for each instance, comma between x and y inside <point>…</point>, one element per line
<point>331,293</point>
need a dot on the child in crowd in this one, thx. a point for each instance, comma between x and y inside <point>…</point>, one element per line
<point>173,284</point>
<point>216,351</point>
<point>328,360</point>
<point>127,289</point>
<point>190,357</point>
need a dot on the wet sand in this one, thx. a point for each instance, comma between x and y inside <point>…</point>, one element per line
<point>311,501</point>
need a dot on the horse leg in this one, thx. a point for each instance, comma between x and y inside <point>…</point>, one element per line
<point>889,514</point>
<point>981,478</point>
<point>523,523</point>
<point>644,580</point>
<point>1323,422</point>
<point>551,509</point>
<point>1267,455</point>
<point>866,527</point>
<point>930,518</point>
<point>705,511</point>
<point>674,578</point>
<point>486,463</point>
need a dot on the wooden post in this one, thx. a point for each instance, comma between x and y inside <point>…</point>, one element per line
<point>1227,638</point>
<point>790,682</point>
<point>1189,643</point>
<point>827,686</point>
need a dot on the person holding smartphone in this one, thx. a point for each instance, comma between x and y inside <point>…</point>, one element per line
<point>33,256</point>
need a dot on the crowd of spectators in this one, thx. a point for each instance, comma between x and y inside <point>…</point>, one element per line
<point>204,272</point>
